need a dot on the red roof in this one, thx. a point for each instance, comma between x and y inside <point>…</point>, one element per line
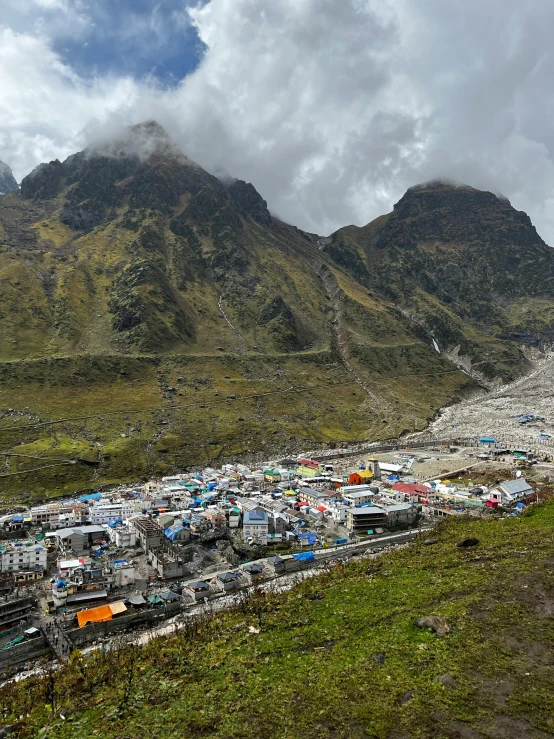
<point>412,488</point>
<point>308,463</point>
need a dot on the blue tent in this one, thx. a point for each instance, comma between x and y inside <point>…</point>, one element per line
<point>304,557</point>
<point>310,537</point>
<point>172,533</point>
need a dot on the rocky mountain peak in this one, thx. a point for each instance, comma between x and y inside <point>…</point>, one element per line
<point>7,180</point>
<point>454,213</point>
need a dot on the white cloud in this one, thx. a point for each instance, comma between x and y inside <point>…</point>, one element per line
<point>332,108</point>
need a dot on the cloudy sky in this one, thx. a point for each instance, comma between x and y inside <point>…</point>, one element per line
<point>332,108</point>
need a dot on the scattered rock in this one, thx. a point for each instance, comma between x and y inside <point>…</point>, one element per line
<point>5,730</point>
<point>406,697</point>
<point>447,680</point>
<point>471,542</point>
<point>380,659</point>
<point>436,623</point>
<point>428,542</point>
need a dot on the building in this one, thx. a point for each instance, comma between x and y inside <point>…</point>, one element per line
<point>272,476</point>
<point>228,581</point>
<point>253,572</point>
<point>361,477</point>
<point>308,467</point>
<point>215,517</point>
<point>511,491</point>
<point>255,525</point>
<point>79,538</point>
<point>401,514</point>
<point>276,564</point>
<point>23,557</point>
<point>149,534</point>
<point>106,512</point>
<point>59,515</point>
<point>178,532</point>
<point>358,497</point>
<point>234,518</point>
<point>375,468</point>
<point>277,523</point>
<point>366,519</point>
<point>123,537</point>
<point>198,590</point>
<point>313,497</point>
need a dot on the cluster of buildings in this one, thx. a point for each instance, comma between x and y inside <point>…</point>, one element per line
<point>89,547</point>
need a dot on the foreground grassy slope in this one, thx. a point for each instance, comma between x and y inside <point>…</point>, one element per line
<point>340,655</point>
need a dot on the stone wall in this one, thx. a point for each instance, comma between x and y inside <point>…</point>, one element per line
<point>27,651</point>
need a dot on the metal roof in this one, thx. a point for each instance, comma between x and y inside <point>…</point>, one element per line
<point>514,487</point>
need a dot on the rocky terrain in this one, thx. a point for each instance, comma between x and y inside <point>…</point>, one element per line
<point>495,414</point>
<point>154,317</point>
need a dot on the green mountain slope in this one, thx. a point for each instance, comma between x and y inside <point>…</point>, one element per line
<point>465,266</point>
<point>340,655</point>
<point>139,294</point>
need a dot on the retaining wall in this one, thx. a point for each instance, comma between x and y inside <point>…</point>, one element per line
<point>27,651</point>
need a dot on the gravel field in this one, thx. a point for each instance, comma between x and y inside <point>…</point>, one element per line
<point>493,414</point>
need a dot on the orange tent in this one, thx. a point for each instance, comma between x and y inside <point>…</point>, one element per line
<point>96,615</point>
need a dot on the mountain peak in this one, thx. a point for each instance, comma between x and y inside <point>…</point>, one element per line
<point>8,182</point>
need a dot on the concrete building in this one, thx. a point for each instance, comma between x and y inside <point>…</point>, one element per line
<point>59,515</point>
<point>253,572</point>
<point>79,538</point>
<point>313,497</point>
<point>149,534</point>
<point>105,512</point>
<point>23,557</point>
<point>228,581</point>
<point>365,519</point>
<point>123,537</point>
<point>401,514</point>
<point>255,524</point>
<point>197,590</point>
<point>358,497</point>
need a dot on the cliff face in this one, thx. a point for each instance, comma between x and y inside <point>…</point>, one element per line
<point>7,180</point>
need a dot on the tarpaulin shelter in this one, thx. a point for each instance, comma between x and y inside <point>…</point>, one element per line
<point>136,600</point>
<point>94,615</point>
<point>169,596</point>
<point>304,557</point>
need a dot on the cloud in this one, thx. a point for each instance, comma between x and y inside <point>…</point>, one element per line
<point>332,108</point>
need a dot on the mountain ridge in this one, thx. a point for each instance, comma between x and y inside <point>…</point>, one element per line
<point>186,290</point>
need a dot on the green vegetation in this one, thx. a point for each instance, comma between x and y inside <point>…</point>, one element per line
<point>339,655</point>
<point>123,418</point>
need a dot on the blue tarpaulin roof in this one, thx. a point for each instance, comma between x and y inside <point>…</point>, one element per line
<point>304,557</point>
<point>311,538</point>
<point>18,518</point>
<point>90,496</point>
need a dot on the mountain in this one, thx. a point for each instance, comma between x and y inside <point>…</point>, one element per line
<point>154,316</point>
<point>465,266</point>
<point>7,180</point>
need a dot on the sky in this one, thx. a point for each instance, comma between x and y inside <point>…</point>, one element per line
<point>331,108</point>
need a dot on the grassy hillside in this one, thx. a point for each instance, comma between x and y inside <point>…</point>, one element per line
<point>340,655</point>
<point>119,418</point>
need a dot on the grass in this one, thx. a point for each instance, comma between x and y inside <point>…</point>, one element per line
<point>340,655</point>
<point>122,412</point>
